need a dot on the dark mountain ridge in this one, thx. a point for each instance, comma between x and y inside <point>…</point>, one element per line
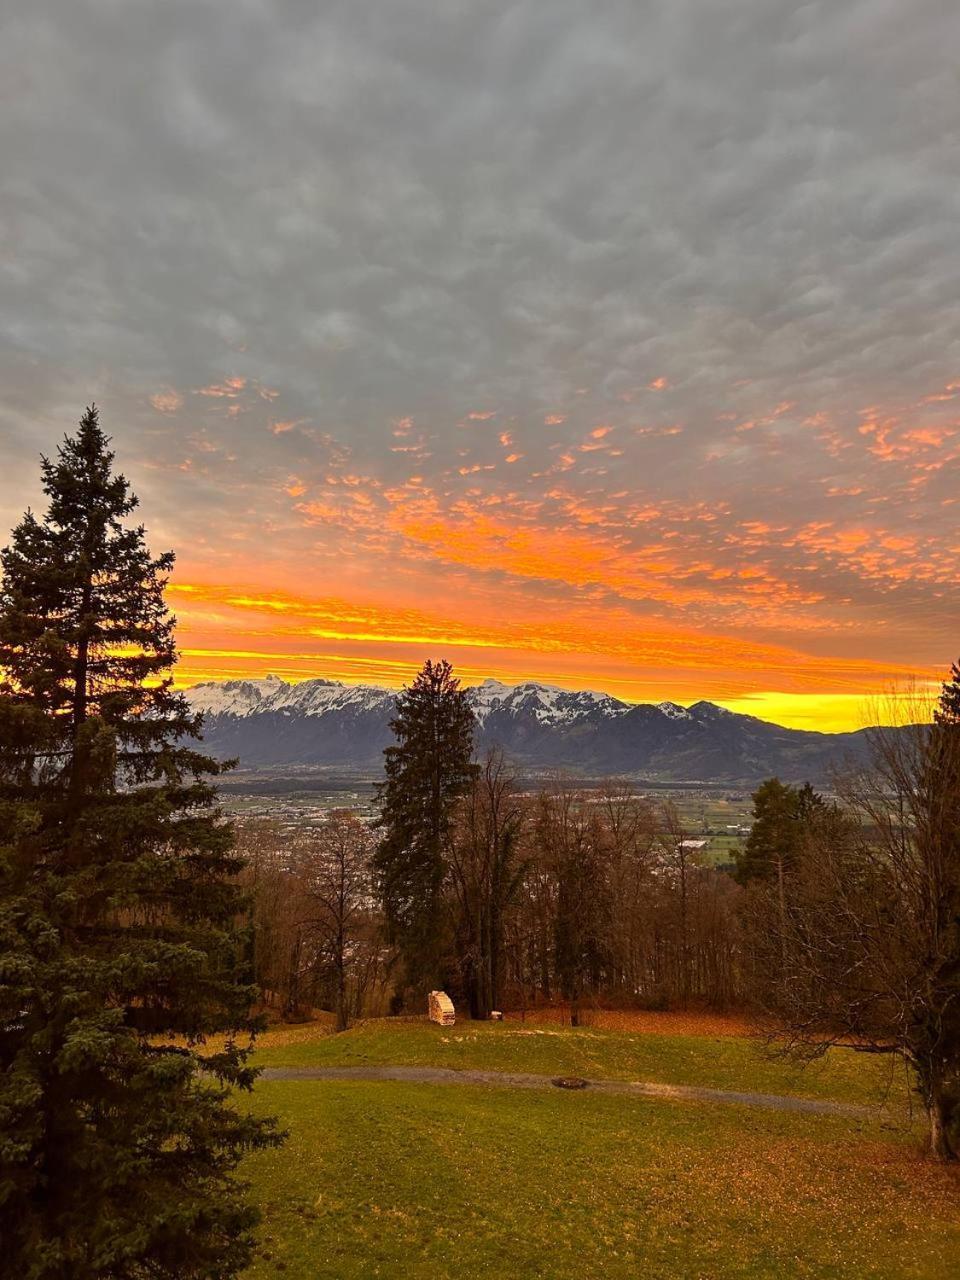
<point>269,724</point>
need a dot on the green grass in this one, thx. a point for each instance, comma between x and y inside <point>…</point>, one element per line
<point>726,1062</point>
<point>417,1182</point>
<point>722,850</point>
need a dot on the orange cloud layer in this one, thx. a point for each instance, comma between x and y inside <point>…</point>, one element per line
<point>232,632</point>
<point>621,545</point>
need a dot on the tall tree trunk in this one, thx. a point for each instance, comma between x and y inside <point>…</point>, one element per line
<point>496,957</point>
<point>940,1113</point>
<point>291,1005</point>
<point>343,1020</point>
<point>544,957</point>
<point>81,675</point>
<point>575,1010</point>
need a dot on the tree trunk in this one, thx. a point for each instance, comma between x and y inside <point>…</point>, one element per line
<point>940,1112</point>
<point>343,1020</point>
<point>291,1004</point>
<point>575,1009</point>
<point>496,958</point>
<point>81,675</point>
<point>782,898</point>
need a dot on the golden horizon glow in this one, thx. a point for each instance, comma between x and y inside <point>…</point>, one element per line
<point>229,633</point>
<point>820,712</point>
<point>587,549</point>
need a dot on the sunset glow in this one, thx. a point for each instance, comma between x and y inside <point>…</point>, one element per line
<point>530,551</point>
<point>651,390</point>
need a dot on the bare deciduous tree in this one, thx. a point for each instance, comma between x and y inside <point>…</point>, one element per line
<point>485,871</point>
<point>865,950</point>
<point>317,928</point>
<point>334,871</point>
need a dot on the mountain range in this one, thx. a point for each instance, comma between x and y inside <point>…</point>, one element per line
<point>270,725</point>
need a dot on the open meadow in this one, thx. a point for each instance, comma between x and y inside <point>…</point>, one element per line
<point>409,1178</point>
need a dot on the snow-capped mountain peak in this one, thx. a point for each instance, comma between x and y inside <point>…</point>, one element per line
<point>673,711</point>
<point>233,697</point>
<point>545,703</point>
<point>270,722</point>
<point>243,698</point>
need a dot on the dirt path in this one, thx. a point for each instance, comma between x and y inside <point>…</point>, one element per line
<point>516,1080</point>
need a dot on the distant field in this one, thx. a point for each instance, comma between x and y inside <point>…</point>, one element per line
<point>708,816</point>
<point>421,1182</point>
<point>707,812</point>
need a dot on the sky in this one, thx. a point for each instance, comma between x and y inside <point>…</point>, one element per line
<point>612,345</point>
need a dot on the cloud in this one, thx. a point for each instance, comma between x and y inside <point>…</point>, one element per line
<point>696,262</point>
<point>168,401</point>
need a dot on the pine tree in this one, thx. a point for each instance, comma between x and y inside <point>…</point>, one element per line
<point>779,814</point>
<point>427,771</point>
<point>119,948</point>
<point>947,711</point>
<point>940,809</point>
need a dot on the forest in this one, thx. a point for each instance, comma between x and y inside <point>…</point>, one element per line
<point>570,893</point>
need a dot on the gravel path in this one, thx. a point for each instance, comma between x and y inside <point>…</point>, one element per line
<point>516,1080</point>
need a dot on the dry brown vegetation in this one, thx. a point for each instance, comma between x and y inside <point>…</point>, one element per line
<point>677,1022</point>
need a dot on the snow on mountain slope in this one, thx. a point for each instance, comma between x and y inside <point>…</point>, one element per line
<point>270,723</point>
<point>546,703</point>
<point>673,711</point>
<point>233,697</point>
<point>243,698</point>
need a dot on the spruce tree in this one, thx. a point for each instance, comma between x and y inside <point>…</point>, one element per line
<point>940,807</point>
<point>120,950</point>
<point>780,813</point>
<point>947,712</point>
<point>427,771</point>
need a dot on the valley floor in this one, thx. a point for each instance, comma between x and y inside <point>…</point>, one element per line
<point>396,1179</point>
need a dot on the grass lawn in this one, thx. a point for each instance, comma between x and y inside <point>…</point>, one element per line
<point>418,1182</point>
<point>718,1061</point>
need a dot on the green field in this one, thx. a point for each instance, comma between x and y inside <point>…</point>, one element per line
<point>426,1181</point>
<point>708,814</point>
<point>722,1062</point>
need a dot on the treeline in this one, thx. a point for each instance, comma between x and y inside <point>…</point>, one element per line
<point>506,897</point>
<point>585,896</point>
<point>851,923</point>
<point>317,936</point>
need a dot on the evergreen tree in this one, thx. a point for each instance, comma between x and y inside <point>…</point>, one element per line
<point>947,711</point>
<point>427,772</point>
<point>780,813</point>
<point>119,949</point>
<point>943,779</point>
